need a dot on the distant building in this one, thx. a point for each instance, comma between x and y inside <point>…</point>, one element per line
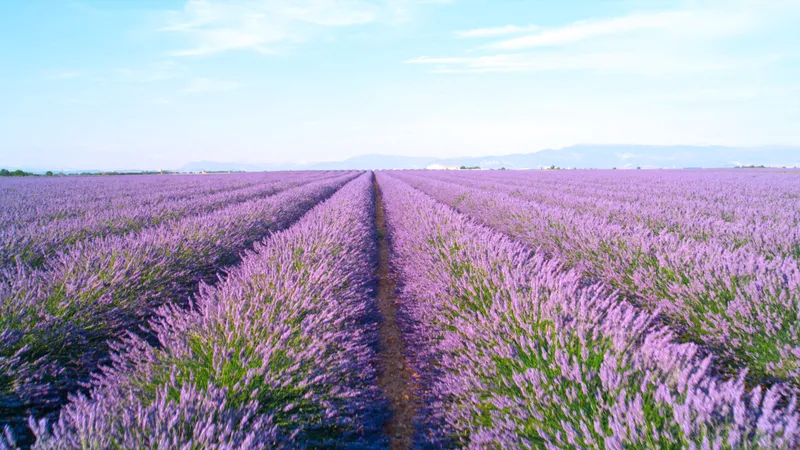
<point>441,167</point>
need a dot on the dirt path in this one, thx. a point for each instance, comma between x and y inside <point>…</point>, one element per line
<point>395,374</point>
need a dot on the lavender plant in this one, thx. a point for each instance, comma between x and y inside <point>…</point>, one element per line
<point>33,243</point>
<point>56,325</point>
<point>515,352</point>
<point>46,200</point>
<point>737,295</point>
<point>757,209</point>
<point>279,354</point>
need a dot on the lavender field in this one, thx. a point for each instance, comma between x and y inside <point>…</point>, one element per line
<point>401,309</point>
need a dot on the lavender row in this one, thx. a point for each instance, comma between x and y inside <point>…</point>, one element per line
<point>279,354</point>
<point>754,209</point>
<point>743,305</point>
<point>62,203</point>
<point>56,325</point>
<point>34,243</point>
<point>43,200</point>
<point>515,352</point>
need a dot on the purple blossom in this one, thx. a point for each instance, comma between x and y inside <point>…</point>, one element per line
<point>516,351</point>
<point>280,353</point>
<point>714,253</point>
<point>58,322</point>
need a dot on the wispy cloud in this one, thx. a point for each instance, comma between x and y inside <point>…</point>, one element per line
<point>620,61</point>
<point>496,31</point>
<point>198,85</point>
<point>267,26</point>
<point>684,22</point>
<point>260,25</point>
<point>687,40</point>
<point>406,10</point>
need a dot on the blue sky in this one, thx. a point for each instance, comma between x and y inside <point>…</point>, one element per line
<point>157,83</point>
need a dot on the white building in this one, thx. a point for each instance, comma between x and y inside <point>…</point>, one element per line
<point>442,167</point>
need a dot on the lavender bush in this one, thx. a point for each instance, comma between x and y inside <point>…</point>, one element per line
<point>32,243</point>
<point>279,354</point>
<point>730,282</point>
<point>514,352</point>
<point>590,309</point>
<point>753,208</point>
<point>56,325</point>
<point>46,200</point>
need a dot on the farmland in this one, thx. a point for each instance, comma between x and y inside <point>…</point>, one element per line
<point>425,309</point>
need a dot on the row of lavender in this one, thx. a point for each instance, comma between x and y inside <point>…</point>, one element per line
<point>34,241</point>
<point>42,200</point>
<point>57,322</point>
<point>516,352</point>
<point>758,209</point>
<point>738,297</point>
<point>279,354</point>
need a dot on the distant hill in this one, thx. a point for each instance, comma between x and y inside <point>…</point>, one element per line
<point>579,156</point>
<point>211,166</point>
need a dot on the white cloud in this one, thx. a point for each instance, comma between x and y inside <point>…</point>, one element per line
<point>692,23</point>
<point>640,60</point>
<point>496,31</point>
<point>265,26</point>
<point>260,25</point>
<point>710,73</point>
<point>690,40</point>
<point>198,85</point>
<point>405,10</point>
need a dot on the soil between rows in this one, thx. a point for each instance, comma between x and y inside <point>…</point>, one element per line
<point>395,375</point>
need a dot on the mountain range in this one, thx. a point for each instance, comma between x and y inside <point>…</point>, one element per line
<point>579,156</point>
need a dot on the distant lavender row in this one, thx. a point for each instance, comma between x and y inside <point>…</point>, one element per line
<point>55,325</point>
<point>32,244</point>
<point>756,209</point>
<point>43,200</point>
<point>741,303</point>
<point>514,352</point>
<point>279,354</point>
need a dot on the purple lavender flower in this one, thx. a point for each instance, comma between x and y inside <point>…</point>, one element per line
<point>516,351</point>
<point>279,354</point>
<point>57,323</point>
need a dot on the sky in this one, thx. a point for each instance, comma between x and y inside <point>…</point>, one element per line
<point>149,84</point>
